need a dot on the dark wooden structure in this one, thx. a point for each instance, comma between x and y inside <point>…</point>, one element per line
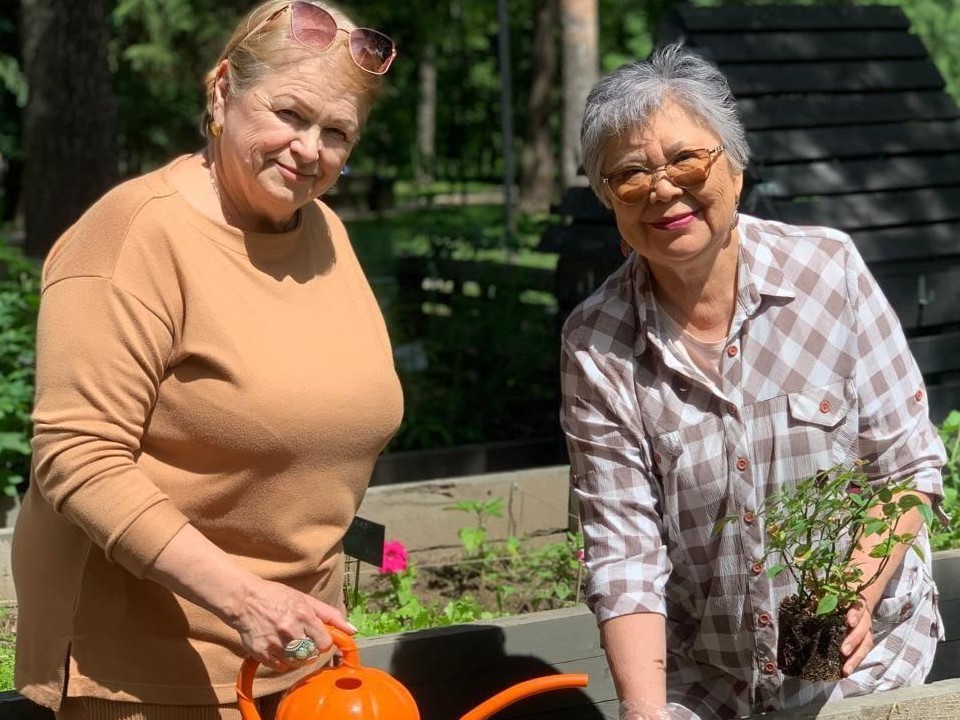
<point>850,127</point>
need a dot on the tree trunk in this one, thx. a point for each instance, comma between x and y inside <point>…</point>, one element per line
<point>536,159</point>
<point>581,63</point>
<point>70,127</point>
<point>427,116</point>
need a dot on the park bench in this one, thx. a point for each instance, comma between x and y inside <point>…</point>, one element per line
<point>850,127</point>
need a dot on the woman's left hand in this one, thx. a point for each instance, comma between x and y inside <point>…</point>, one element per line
<point>859,639</point>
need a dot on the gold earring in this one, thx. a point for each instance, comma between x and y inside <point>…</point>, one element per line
<point>214,128</point>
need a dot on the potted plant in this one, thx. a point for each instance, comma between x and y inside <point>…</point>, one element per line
<point>813,531</point>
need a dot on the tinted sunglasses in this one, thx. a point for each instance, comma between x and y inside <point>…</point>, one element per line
<point>689,169</point>
<point>314,27</point>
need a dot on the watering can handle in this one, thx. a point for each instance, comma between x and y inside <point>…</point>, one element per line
<point>343,642</point>
<point>524,690</point>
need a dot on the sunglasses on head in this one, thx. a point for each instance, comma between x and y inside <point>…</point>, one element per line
<point>689,169</point>
<point>315,27</point>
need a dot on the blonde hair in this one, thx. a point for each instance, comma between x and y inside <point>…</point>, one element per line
<point>250,58</point>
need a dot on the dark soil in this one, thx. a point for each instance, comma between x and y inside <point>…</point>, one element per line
<point>809,644</point>
<point>500,591</point>
<point>501,585</point>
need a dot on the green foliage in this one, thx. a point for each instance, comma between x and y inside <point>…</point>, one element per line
<point>8,643</point>
<point>489,364</point>
<point>489,581</point>
<point>397,608</point>
<point>160,51</point>
<point>19,302</point>
<point>814,528</point>
<point>474,538</point>
<point>949,537</point>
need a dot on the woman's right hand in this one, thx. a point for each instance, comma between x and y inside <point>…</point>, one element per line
<point>271,614</point>
<point>265,614</point>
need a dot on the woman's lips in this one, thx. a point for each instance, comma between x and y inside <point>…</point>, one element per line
<point>675,222</point>
<point>293,174</point>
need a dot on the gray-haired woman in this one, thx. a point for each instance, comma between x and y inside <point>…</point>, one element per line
<point>214,384</point>
<point>688,381</point>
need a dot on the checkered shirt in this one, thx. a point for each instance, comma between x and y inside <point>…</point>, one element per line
<point>816,372</point>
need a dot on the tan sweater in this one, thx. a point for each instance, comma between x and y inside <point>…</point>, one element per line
<point>189,373</point>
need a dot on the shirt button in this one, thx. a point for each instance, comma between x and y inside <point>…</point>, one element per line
<point>732,351</point>
<point>749,517</point>
<point>731,408</point>
<point>741,464</point>
<point>825,406</point>
<point>756,568</point>
<point>769,668</point>
<point>763,619</point>
<point>918,395</point>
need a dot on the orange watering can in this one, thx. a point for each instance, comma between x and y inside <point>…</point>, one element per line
<point>351,692</point>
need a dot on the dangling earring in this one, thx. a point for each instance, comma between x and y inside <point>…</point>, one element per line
<point>625,249</point>
<point>214,128</point>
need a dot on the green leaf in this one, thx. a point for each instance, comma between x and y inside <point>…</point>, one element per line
<point>827,604</point>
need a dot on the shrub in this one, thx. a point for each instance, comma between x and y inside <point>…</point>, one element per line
<point>949,537</point>
<point>19,302</point>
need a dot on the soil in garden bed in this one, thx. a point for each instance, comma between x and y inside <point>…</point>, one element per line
<point>502,586</point>
<point>809,644</point>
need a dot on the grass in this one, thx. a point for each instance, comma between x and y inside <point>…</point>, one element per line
<point>465,232</point>
<point>8,637</point>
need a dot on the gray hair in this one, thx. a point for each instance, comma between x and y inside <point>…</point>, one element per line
<point>629,96</point>
<point>253,57</point>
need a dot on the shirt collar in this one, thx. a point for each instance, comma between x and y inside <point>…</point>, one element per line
<point>760,275</point>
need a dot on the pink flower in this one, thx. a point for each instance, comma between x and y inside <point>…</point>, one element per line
<point>394,558</point>
<point>579,554</point>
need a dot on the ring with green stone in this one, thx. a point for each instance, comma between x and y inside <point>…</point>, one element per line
<point>300,650</point>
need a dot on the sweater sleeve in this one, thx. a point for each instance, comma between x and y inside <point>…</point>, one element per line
<point>101,354</point>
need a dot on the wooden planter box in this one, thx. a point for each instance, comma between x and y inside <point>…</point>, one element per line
<point>450,670</point>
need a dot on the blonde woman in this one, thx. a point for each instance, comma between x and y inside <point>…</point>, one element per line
<point>214,384</point>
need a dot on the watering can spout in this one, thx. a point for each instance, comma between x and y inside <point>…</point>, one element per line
<point>524,690</point>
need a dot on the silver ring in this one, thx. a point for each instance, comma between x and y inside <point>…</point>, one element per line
<point>300,650</point>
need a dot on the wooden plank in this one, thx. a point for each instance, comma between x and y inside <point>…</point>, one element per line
<point>738,19</point>
<point>827,177</point>
<point>450,670</point>
<point>853,141</point>
<point>937,354</point>
<point>913,242</point>
<point>558,636</point>
<point>785,111</point>
<point>581,203</point>
<point>792,46</point>
<point>950,612</point>
<point>936,701</point>
<point>869,210</point>
<point>946,573</point>
<point>751,79</point>
<point>908,286</point>
<point>944,397</point>
<point>946,663</point>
